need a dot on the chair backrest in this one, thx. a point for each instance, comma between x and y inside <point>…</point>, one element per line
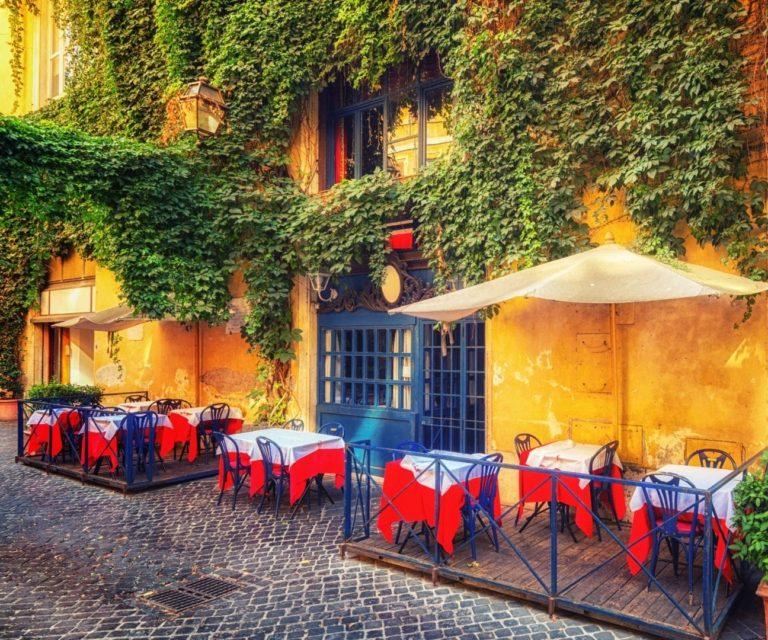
<point>295,424</point>
<point>166,405</point>
<point>525,442</point>
<point>271,454</point>
<point>712,458</point>
<point>214,417</point>
<point>408,445</point>
<point>333,429</point>
<point>489,480</point>
<point>135,397</point>
<point>667,500</point>
<point>226,445</point>
<point>602,461</point>
<point>140,425</point>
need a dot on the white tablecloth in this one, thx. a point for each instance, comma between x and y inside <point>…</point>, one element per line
<point>294,444</point>
<point>135,407</point>
<point>44,416</point>
<point>193,414</point>
<point>567,455</point>
<point>702,478</point>
<point>459,469</point>
<point>109,425</point>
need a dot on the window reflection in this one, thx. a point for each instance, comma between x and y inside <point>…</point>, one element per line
<point>373,139</point>
<point>344,148</point>
<point>403,135</point>
<point>438,138</point>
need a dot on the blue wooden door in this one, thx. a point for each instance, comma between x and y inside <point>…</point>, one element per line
<point>453,373</point>
<point>367,368</point>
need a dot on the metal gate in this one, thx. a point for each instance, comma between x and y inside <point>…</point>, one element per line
<point>453,416</point>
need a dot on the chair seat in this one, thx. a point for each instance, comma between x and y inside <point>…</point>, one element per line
<point>683,527</point>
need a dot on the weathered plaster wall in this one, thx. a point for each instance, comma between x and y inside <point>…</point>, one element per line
<point>690,372</point>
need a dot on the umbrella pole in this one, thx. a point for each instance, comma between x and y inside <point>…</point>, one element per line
<point>615,373</point>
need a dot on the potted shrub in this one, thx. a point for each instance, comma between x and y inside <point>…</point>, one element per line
<point>8,406</point>
<point>66,393</point>
<point>751,520</point>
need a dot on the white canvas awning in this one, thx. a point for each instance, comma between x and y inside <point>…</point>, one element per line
<point>114,319</point>
<point>609,274</point>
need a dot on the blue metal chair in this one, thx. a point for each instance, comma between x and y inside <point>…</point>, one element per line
<point>295,424</point>
<point>166,405</point>
<point>525,442</point>
<point>474,507</point>
<point>139,428</point>
<point>670,525</point>
<point>46,412</point>
<point>600,464</point>
<point>408,445</point>
<point>213,418</point>
<point>712,458</point>
<point>238,471</point>
<point>332,429</point>
<point>274,480</point>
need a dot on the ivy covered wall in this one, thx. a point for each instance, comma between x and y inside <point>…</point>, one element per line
<point>647,100</point>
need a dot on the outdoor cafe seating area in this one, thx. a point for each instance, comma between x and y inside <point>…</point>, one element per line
<point>649,550</point>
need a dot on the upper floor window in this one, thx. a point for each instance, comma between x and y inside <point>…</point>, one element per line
<point>55,75</point>
<point>49,57</point>
<point>398,128</point>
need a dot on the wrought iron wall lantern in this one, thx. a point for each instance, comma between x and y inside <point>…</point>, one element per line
<point>320,281</point>
<point>203,108</point>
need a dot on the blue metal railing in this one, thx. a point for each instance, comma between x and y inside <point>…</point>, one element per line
<point>715,606</point>
<point>136,457</point>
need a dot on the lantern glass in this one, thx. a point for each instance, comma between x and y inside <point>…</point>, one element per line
<point>203,107</point>
<point>319,280</point>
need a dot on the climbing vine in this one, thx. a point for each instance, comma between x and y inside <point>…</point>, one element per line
<point>646,101</point>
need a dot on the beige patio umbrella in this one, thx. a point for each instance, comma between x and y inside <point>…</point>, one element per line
<point>609,274</point>
<point>113,319</point>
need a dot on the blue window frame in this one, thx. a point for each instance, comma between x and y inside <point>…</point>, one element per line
<point>370,366</point>
<point>454,388</point>
<point>399,129</point>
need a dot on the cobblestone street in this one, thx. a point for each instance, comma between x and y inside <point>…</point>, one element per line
<point>75,558</point>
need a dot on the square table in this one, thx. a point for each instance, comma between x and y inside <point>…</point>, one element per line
<point>136,406</point>
<point>306,455</point>
<point>574,457</point>
<point>410,497</point>
<point>184,423</point>
<point>722,509</point>
<point>45,428</point>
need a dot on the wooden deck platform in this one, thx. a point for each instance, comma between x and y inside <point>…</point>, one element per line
<point>609,593</point>
<point>175,472</point>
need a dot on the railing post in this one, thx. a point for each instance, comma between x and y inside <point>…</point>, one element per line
<point>128,452</point>
<point>20,428</point>
<point>708,600</point>
<point>348,492</point>
<point>367,503</point>
<point>150,463</point>
<point>86,418</point>
<point>553,544</point>
<point>438,474</point>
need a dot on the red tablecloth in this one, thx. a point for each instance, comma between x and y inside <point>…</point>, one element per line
<point>640,542</point>
<point>183,431</point>
<point>415,502</point>
<point>97,446</point>
<point>538,485</point>
<point>49,435</point>
<point>304,469</point>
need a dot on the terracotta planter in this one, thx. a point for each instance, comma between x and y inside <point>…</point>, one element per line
<point>762,591</point>
<point>8,409</point>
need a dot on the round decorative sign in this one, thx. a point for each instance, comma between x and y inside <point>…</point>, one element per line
<point>392,285</point>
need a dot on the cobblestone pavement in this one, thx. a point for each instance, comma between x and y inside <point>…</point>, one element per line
<point>74,558</point>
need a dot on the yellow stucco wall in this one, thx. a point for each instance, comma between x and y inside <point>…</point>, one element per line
<point>687,377</point>
<point>6,84</point>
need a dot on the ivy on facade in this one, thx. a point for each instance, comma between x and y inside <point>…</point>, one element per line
<point>646,100</point>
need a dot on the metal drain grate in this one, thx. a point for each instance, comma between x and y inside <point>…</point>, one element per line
<point>188,595</point>
<point>212,587</point>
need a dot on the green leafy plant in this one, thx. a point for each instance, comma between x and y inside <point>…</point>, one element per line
<point>68,393</point>
<point>751,518</point>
